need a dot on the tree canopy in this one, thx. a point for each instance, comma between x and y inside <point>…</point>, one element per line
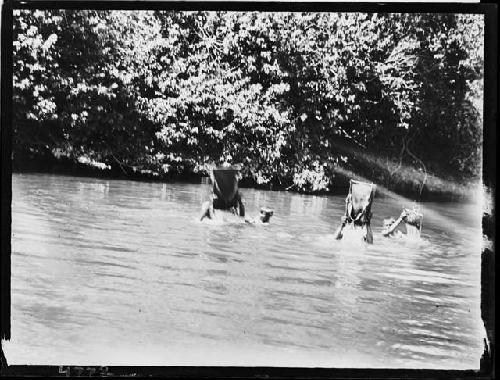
<point>173,92</point>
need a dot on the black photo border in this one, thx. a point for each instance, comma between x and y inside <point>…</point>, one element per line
<point>487,366</point>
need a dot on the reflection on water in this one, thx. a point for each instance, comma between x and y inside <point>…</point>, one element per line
<point>121,273</point>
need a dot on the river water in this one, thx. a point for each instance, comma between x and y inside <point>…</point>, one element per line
<point>115,272</point>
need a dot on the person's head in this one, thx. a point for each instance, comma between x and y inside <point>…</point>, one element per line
<point>413,218</point>
<point>265,214</point>
<point>388,222</point>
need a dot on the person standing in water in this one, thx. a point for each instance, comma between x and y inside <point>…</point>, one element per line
<point>358,213</point>
<point>225,194</point>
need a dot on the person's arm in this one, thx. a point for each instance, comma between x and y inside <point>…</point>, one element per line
<point>249,220</point>
<point>338,233</point>
<point>394,225</point>
<point>241,205</point>
<point>369,234</point>
<point>205,211</point>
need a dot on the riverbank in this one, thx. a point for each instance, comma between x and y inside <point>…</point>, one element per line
<point>401,179</point>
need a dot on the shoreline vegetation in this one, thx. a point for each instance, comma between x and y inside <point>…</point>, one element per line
<point>303,101</point>
<point>407,183</point>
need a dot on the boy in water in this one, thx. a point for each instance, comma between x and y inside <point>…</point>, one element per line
<point>413,224</point>
<point>264,217</point>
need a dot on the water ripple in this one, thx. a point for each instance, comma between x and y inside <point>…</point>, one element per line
<point>94,258</point>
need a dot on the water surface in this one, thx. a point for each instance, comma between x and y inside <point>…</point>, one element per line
<point>114,272</point>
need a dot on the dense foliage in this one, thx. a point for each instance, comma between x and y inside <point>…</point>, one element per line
<point>173,92</point>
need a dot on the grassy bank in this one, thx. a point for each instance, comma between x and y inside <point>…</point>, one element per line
<point>402,178</point>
